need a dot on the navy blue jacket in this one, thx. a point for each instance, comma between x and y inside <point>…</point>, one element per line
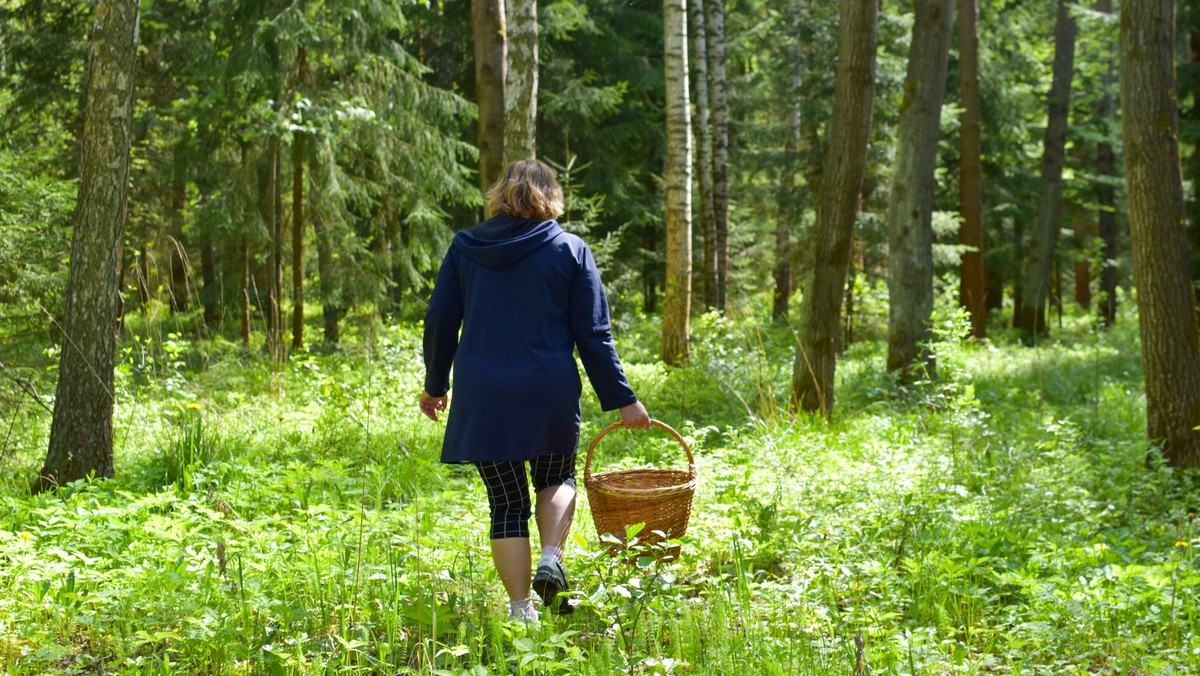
<point>526,294</point>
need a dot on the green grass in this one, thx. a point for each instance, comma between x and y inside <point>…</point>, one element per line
<point>1008,518</point>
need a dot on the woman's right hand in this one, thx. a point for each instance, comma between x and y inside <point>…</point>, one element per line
<point>430,405</point>
<point>635,417</point>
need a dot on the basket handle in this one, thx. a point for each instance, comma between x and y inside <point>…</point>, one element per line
<point>587,464</point>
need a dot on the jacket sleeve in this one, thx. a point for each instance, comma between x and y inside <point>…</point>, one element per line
<point>442,322</point>
<point>592,331</point>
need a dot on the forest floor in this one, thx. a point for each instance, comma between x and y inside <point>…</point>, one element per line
<point>1008,518</point>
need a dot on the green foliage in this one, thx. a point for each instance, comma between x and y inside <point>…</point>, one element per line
<point>35,211</point>
<point>41,68</point>
<point>219,85</point>
<point>1005,518</point>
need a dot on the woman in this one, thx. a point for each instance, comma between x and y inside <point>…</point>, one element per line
<point>526,295</point>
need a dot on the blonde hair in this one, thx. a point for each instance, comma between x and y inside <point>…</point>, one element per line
<point>526,189</point>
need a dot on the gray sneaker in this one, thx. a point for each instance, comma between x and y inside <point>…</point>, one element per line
<point>548,582</point>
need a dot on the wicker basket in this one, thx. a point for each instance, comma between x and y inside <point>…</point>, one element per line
<point>659,498</point>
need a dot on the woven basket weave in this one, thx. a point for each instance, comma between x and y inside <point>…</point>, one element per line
<point>659,498</point>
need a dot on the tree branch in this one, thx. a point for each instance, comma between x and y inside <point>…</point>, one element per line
<point>27,387</point>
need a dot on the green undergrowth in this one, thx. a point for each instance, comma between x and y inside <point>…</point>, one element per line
<point>1005,518</point>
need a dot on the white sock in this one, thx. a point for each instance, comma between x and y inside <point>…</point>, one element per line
<point>550,554</point>
<point>522,610</point>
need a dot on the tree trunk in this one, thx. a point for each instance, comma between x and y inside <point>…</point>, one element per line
<point>720,141</point>
<point>211,294</point>
<point>703,140</point>
<point>487,28</point>
<point>298,240</point>
<point>649,273</point>
<point>973,281</point>
<point>1107,226</point>
<point>330,306</point>
<point>143,268</point>
<point>789,201</point>
<point>1167,320</point>
<point>993,276</point>
<point>1106,168</point>
<point>245,291</point>
<point>677,177</point>
<point>178,260</point>
<point>1081,236</point>
<point>810,138</point>
<point>521,81</point>
<point>1195,214</point>
<point>910,205</point>
<point>81,428</point>
<point>1083,266</point>
<point>275,290</point>
<point>856,266</point>
<point>1032,318</point>
<point>244,246</point>
<point>1056,290</point>
<point>837,205</point>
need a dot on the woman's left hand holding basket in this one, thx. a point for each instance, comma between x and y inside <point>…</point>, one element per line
<point>635,417</point>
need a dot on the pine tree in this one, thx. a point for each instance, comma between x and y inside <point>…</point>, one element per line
<point>1030,317</point>
<point>1167,320</point>
<point>972,284</point>
<point>720,141</point>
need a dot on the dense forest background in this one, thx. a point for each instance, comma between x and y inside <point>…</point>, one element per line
<point>370,107</point>
<point>967,229</point>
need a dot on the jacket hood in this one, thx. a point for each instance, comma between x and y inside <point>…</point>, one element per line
<point>502,241</point>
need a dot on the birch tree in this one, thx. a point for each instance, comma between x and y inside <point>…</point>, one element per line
<point>81,428</point>
<point>521,81</point>
<point>678,179</point>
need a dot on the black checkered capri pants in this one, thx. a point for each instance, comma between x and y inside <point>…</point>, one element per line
<point>508,489</point>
